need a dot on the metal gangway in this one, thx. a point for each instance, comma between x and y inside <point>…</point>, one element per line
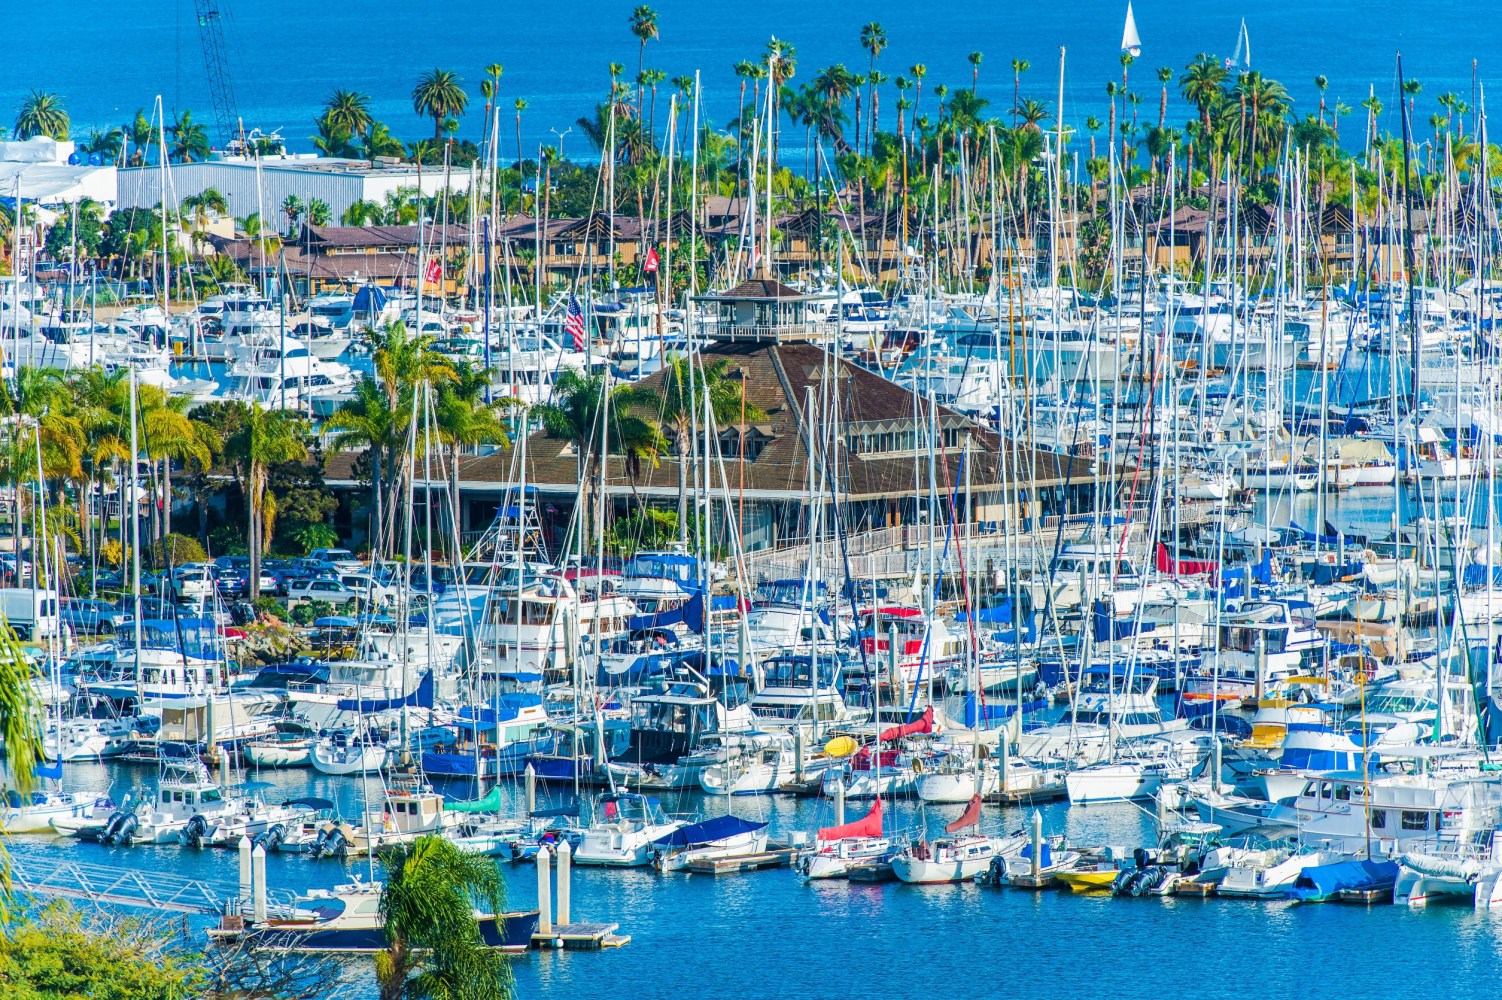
<point>110,886</point>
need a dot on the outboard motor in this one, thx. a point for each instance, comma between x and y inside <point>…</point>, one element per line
<point>111,826</point>
<point>335,844</point>
<point>122,832</point>
<point>194,834</point>
<point>269,840</point>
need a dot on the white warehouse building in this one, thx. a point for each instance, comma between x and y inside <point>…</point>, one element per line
<point>337,183</point>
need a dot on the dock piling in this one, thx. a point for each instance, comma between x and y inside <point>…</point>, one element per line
<point>839,801</point>
<point>258,883</point>
<point>244,848</point>
<point>1037,843</point>
<point>531,778</point>
<point>565,869</point>
<point>544,892</point>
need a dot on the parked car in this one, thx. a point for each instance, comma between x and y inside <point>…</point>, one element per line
<point>232,582</point>
<point>341,559</point>
<point>192,583</point>
<point>371,590</point>
<point>322,589</point>
<point>270,584</point>
<point>92,617</point>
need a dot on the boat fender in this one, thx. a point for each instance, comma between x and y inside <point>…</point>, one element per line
<point>918,766</point>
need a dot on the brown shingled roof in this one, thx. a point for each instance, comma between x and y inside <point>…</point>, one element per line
<point>758,288</point>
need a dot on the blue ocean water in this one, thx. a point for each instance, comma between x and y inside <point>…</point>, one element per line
<point>286,55</point>
<point>766,936</point>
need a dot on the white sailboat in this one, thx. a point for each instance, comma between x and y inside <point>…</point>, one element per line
<point>1131,43</point>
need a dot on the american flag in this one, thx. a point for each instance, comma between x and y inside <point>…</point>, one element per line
<point>573,322</point>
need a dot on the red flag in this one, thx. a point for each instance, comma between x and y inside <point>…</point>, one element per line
<point>971,817</point>
<point>649,266</point>
<point>434,273</point>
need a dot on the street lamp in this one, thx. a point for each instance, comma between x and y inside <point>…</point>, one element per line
<point>560,136</point>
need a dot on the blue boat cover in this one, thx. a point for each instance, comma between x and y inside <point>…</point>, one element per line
<point>421,698</point>
<point>708,831</point>
<point>503,708</point>
<point>1323,881</point>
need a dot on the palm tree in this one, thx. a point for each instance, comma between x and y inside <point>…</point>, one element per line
<point>42,113</point>
<point>465,419</point>
<point>361,213</point>
<point>190,139</point>
<point>1019,66</point>
<point>293,208</point>
<point>1092,125</point>
<point>265,438</point>
<point>974,59</point>
<point>169,433</point>
<point>490,87</point>
<point>1412,89</point>
<point>686,382</point>
<point>348,111</point>
<point>141,134</point>
<point>1201,84</point>
<point>1320,83</point>
<point>643,22</point>
<point>107,144</point>
<point>439,95</point>
<point>650,78</point>
<point>367,420</point>
<point>434,948</point>
<point>874,41</point>
<point>380,142</point>
<point>573,414</point>
<point>918,71</point>
<point>1165,77</point>
<point>319,213</point>
<point>199,207</point>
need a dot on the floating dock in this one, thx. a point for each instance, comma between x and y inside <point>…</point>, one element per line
<point>777,858</point>
<point>580,937</point>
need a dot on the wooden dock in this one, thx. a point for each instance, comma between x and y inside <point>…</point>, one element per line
<point>776,858</point>
<point>1029,796</point>
<point>1034,883</point>
<point>1188,888</point>
<point>580,937</point>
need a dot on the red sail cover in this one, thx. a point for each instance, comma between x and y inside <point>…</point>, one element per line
<point>971,817</point>
<point>1186,567</point>
<point>923,724</point>
<point>870,826</point>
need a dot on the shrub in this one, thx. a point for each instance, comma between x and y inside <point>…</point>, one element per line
<point>177,549</point>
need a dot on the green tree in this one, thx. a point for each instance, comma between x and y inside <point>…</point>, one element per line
<point>439,95</point>
<point>265,438</point>
<point>190,139</point>
<point>686,383</point>
<point>42,113</point>
<point>643,22</point>
<point>348,110</point>
<point>434,949</point>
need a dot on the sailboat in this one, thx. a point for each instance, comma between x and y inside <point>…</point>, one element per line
<point>1131,43</point>
<point>958,857</point>
<point>1241,59</point>
<point>837,849</point>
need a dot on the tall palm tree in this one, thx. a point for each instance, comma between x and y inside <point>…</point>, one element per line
<point>686,382</point>
<point>190,139</point>
<point>433,943</point>
<point>1019,66</point>
<point>643,22</point>
<point>141,134</point>
<point>439,95</point>
<point>465,419</point>
<point>168,433</point>
<point>108,143</point>
<point>490,89</point>
<point>348,110</point>
<point>1165,77</point>
<point>42,113</point>
<point>918,72</point>
<point>367,420</point>
<point>650,78</point>
<point>1201,84</point>
<point>974,59</point>
<point>265,438</point>
<point>874,41</point>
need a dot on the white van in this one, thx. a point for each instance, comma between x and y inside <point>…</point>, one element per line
<point>32,613</point>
